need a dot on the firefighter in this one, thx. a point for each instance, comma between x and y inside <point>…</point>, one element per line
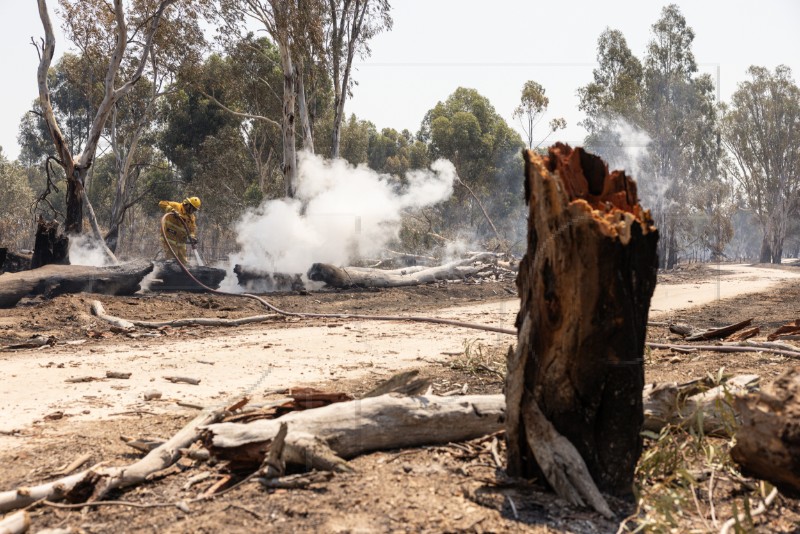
<point>180,226</point>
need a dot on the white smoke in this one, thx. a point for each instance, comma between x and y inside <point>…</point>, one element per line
<point>85,250</point>
<point>626,147</point>
<point>340,212</point>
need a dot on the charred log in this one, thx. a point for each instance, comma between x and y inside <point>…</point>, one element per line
<point>768,440</point>
<point>344,277</point>
<point>263,282</point>
<point>170,277</point>
<point>585,284</point>
<point>49,247</point>
<point>53,280</point>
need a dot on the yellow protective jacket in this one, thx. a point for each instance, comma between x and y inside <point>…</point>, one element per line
<point>175,241</point>
<point>177,207</point>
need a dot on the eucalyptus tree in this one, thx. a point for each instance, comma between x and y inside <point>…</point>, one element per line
<point>349,25</point>
<point>467,130</point>
<point>761,130</point>
<point>117,43</point>
<point>16,198</point>
<point>664,104</point>
<point>530,111</point>
<point>295,26</point>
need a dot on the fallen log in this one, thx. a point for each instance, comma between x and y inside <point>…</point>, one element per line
<point>170,277</point>
<point>15,262</point>
<point>93,484</point>
<point>768,441</point>
<point>261,281</point>
<point>325,437</point>
<point>344,277</point>
<point>52,280</point>
<point>585,285</point>
<point>680,404</point>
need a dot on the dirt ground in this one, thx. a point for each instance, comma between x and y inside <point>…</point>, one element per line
<point>451,488</point>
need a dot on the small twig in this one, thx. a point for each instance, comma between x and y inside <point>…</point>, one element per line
<point>180,505</point>
<point>711,499</point>
<point>495,453</point>
<point>189,405</point>
<point>79,461</point>
<point>245,509</point>
<point>513,506</point>
<point>758,511</point>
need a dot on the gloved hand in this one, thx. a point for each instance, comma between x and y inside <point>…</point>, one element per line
<point>192,241</point>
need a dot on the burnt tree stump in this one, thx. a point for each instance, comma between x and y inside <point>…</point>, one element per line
<point>49,246</point>
<point>585,285</point>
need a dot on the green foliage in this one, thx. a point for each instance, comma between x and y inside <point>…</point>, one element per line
<point>761,129</point>
<point>16,197</point>
<point>662,97</point>
<point>531,109</point>
<point>485,150</point>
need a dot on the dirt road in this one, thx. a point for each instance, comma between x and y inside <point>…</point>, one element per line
<point>263,358</point>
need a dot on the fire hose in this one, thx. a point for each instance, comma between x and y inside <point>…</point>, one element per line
<point>270,306</point>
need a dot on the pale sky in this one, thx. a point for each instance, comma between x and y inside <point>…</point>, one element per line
<point>494,47</point>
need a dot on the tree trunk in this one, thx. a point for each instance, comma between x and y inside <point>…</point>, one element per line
<point>585,283</point>
<point>305,120</point>
<point>287,122</point>
<point>49,247</point>
<point>343,277</point>
<point>768,440</point>
<point>53,280</point>
<point>766,250</point>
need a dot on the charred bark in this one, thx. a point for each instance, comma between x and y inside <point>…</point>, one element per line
<point>49,247</point>
<point>53,280</point>
<point>585,284</point>
<point>170,277</point>
<point>14,262</point>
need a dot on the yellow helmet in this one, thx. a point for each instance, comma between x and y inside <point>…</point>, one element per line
<point>194,201</point>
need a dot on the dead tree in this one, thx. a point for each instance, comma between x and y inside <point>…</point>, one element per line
<point>585,284</point>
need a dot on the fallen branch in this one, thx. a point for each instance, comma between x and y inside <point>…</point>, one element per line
<point>72,466</point>
<point>99,311</point>
<point>683,404</point>
<point>726,348</point>
<point>343,277</point>
<point>323,437</point>
<point>15,523</point>
<point>760,509</point>
<point>94,484</point>
<point>715,333</point>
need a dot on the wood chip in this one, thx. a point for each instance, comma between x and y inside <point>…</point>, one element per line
<point>117,374</point>
<point>183,380</point>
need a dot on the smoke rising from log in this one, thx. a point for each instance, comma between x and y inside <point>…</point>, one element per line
<point>341,212</point>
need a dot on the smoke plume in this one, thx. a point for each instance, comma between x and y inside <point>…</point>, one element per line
<point>85,250</point>
<point>340,212</point>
